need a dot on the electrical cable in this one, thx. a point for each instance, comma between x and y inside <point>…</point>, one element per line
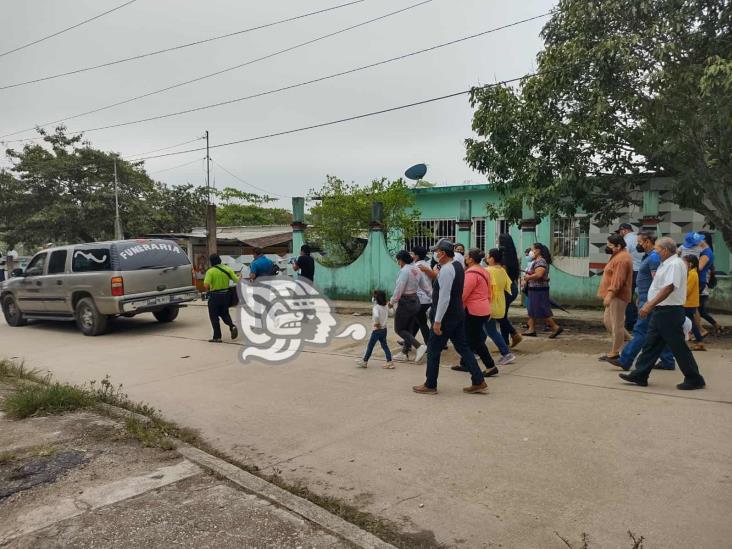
<point>175,167</point>
<point>339,121</point>
<point>269,193</point>
<point>313,81</point>
<point>222,71</point>
<point>39,40</point>
<point>178,47</point>
<point>132,156</point>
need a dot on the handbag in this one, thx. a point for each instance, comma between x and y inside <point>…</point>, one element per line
<point>233,296</point>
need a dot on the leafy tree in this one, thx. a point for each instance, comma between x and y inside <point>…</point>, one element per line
<point>242,208</point>
<point>343,214</point>
<point>625,91</point>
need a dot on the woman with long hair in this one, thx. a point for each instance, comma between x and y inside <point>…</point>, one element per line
<point>537,280</point>
<point>510,262</point>
<point>616,291</point>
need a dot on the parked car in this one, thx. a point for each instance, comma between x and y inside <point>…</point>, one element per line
<point>90,283</point>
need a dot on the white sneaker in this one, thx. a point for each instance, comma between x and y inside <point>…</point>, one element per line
<point>401,357</point>
<point>507,359</point>
<point>361,363</point>
<point>421,351</point>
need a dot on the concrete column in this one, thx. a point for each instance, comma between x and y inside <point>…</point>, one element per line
<point>465,224</point>
<point>650,219</point>
<point>298,224</point>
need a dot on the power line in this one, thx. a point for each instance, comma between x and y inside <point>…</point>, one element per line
<point>247,183</point>
<point>175,167</point>
<point>210,75</point>
<point>178,47</point>
<point>339,121</point>
<point>132,156</point>
<point>315,80</point>
<point>3,54</point>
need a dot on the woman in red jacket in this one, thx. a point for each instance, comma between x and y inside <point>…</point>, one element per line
<point>477,302</point>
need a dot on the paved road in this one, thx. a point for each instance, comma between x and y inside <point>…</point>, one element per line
<point>559,445</point>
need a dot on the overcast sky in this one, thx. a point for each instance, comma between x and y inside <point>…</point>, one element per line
<point>357,151</point>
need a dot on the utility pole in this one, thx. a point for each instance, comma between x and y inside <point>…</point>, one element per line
<point>210,207</point>
<point>118,235</point>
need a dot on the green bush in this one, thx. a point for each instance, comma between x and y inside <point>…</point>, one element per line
<point>55,398</point>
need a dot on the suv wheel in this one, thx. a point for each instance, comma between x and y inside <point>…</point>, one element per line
<point>12,313</point>
<point>88,318</point>
<point>169,314</point>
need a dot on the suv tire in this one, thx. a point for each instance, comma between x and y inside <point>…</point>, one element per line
<point>88,318</point>
<point>169,314</point>
<point>12,313</point>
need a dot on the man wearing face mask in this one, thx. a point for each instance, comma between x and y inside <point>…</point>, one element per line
<point>448,322</point>
<point>631,243</point>
<point>665,306</point>
<point>649,266</point>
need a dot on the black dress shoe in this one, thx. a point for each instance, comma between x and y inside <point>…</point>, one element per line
<point>615,361</point>
<point>490,372</point>
<point>686,386</point>
<point>631,379</point>
<point>459,368</point>
<point>659,366</point>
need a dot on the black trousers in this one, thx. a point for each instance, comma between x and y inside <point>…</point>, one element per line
<point>405,318</point>
<point>476,333</point>
<point>667,328</point>
<point>218,307</point>
<point>421,325</point>
<point>452,330</point>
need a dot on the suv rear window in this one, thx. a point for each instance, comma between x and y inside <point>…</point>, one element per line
<point>87,260</point>
<point>148,254</point>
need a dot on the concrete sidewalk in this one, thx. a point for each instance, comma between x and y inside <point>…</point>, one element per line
<point>559,445</point>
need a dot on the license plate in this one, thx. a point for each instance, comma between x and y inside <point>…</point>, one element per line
<point>160,300</point>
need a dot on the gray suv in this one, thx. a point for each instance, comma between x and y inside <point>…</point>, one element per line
<point>90,283</point>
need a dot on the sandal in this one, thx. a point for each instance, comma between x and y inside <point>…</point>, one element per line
<point>607,358</point>
<point>529,334</point>
<point>556,334</point>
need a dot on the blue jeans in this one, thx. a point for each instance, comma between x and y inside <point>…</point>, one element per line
<point>491,328</point>
<point>377,336</point>
<point>635,345</point>
<point>690,314</point>
<point>507,328</point>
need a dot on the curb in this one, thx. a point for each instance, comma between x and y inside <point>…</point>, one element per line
<point>260,487</point>
<point>306,509</point>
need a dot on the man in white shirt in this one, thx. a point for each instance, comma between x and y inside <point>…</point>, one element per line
<point>631,244</point>
<point>665,307</point>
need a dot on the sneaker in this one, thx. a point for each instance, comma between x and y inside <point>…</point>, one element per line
<point>234,332</point>
<point>388,366</point>
<point>506,359</point>
<point>401,357</point>
<point>516,339</point>
<point>421,351</point>
<point>424,390</point>
<point>361,363</point>
<point>476,389</point>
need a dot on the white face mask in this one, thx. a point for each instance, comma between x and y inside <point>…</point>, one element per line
<point>532,255</point>
<point>373,300</point>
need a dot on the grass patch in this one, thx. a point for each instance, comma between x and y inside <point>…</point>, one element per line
<point>148,434</point>
<point>161,433</point>
<point>55,398</point>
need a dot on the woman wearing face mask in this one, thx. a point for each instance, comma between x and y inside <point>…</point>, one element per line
<point>537,282</point>
<point>409,280</point>
<point>616,291</point>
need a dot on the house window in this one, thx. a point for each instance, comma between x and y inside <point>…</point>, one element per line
<point>430,231</point>
<point>570,237</point>
<point>478,233</point>
<point>502,227</point>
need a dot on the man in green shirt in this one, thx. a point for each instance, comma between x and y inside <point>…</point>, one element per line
<point>216,283</point>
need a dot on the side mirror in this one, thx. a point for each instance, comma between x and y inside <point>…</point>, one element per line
<point>17,273</point>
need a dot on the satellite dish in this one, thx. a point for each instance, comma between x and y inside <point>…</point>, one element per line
<point>416,172</point>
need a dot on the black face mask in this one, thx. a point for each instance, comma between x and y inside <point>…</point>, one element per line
<point>608,250</point>
<point>640,249</point>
